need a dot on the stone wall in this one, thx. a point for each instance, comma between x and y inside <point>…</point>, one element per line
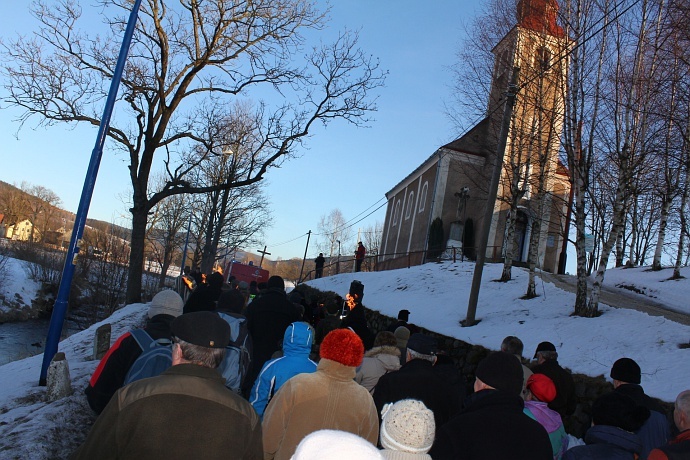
<point>466,357</point>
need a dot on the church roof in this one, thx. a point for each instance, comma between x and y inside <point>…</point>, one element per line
<point>473,142</point>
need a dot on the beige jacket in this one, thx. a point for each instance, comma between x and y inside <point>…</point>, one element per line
<point>377,362</point>
<point>326,399</point>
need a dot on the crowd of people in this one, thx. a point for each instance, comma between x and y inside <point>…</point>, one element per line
<point>323,385</point>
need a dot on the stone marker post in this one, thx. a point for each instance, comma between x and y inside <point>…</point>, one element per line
<point>101,342</point>
<point>58,380</point>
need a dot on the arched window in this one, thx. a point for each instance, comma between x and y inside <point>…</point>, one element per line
<point>544,59</point>
<point>396,213</point>
<point>410,204</point>
<point>422,196</point>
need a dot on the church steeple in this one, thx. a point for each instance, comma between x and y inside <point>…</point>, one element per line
<point>540,16</point>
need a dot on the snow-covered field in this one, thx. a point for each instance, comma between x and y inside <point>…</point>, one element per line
<point>436,295</point>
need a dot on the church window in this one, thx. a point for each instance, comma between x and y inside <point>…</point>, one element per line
<point>422,196</point>
<point>410,204</point>
<point>396,213</point>
<point>544,59</point>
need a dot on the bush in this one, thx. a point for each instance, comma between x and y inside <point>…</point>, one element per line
<point>436,238</point>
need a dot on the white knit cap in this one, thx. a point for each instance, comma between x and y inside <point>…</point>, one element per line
<point>407,426</point>
<point>335,445</point>
<point>167,302</point>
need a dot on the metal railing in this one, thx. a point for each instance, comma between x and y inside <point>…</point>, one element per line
<point>395,260</point>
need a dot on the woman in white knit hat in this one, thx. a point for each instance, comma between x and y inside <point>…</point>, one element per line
<point>407,430</point>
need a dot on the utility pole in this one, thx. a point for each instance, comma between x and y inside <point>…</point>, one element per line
<point>306,248</point>
<point>491,200</point>
<point>263,253</point>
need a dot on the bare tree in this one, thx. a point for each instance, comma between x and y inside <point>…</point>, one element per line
<point>334,234</point>
<point>42,205</point>
<point>187,61</point>
<point>169,220</point>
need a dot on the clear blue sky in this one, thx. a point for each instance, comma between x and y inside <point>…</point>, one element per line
<point>343,166</point>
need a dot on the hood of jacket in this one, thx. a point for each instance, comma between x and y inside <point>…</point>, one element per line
<point>548,418</point>
<point>298,338</point>
<point>613,435</point>
<point>383,350</point>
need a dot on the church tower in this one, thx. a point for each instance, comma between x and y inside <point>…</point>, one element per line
<point>530,186</point>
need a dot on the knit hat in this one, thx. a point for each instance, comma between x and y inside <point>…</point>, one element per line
<point>500,370</point>
<point>335,445</point>
<point>402,335</point>
<point>342,346</point>
<point>619,410</point>
<point>167,302</point>
<point>542,387</point>
<point>407,426</point>
<point>203,328</point>
<point>626,370</point>
<point>544,346</point>
<point>421,343</point>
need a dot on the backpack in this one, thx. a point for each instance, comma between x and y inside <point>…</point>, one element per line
<point>238,354</point>
<point>156,356</point>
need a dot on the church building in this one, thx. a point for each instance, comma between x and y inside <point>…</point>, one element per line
<point>449,190</point>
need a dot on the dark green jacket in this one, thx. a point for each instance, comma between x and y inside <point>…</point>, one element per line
<point>185,413</point>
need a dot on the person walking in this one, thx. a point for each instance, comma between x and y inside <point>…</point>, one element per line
<point>186,412</point>
<point>326,399</point>
<point>111,372</point>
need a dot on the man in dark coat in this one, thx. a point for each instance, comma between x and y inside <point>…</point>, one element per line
<point>205,296</point>
<point>417,379</point>
<point>615,418</point>
<point>656,431</point>
<point>319,262</point>
<point>268,316</point>
<point>110,374</point>
<point>493,424</point>
<point>186,412</point>
<point>547,364</point>
<point>403,318</point>
<point>355,318</point>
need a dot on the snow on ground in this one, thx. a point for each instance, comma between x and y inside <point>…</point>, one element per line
<point>656,285</point>
<point>436,295</point>
<point>14,284</point>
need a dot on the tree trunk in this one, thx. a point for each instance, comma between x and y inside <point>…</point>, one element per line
<point>663,223</point>
<point>136,255</point>
<point>506,275</point>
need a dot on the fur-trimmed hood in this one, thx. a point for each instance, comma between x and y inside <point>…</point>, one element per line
<point>383,350</point>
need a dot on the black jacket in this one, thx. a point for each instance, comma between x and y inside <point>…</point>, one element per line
<point>268,316</point>
<point>417,379</point>
<point>110,374</point>
<point>565,401</point>
<point>492,426</point>
<point>357,321</point>
<point>203,298</point>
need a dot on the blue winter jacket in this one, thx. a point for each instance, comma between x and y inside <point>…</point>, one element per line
<point>297,342</point>
<point>606,442</point>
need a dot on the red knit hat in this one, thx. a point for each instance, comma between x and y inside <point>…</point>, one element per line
<point>542,387</point>
<point>343,346</point>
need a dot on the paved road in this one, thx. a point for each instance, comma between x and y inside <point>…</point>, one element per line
<point>620,298</point>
